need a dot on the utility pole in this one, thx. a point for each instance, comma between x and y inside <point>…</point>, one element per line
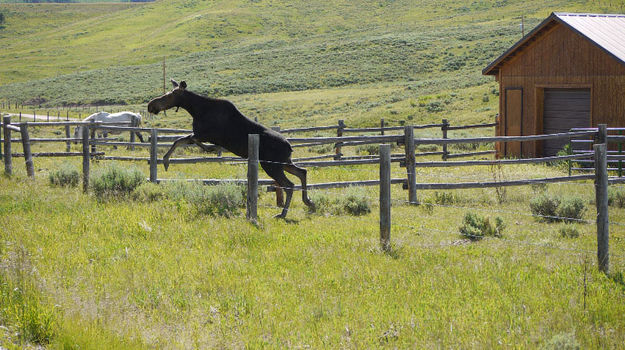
<point>164,85</point>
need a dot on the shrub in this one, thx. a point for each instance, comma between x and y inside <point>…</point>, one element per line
<point>148,192</point>
<point>355,202</point>
<point>569,231</point>
<point>221,200</point>
<point>115,180</point>
<point>552,209</point>
<point>445,198</point>
<point>371,149</point>
<point>545,208</point>
<point>477,227</point>
<point>562,341</point>
<point>616,197</point>
<point>571,209</point>
<point>66,175</point>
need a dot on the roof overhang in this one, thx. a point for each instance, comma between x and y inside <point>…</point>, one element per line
<point>610,39</point>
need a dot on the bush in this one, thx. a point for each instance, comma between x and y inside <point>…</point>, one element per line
<point>355,202</point>
<point>545,208</point>
<point>562,341</point>
<point>571,209</point>
<point>569,231</point>
<point>148,192</point>
<point>445,198</point>
<point>477,227</point>
<point>371,149</point>
<point>551,209</point>
<point>616,197</point>
<point>115,180</point>
<point>221,200</point>
<point>66,175</point>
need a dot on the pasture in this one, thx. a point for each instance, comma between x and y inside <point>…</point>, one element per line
<point>156,273</point>
<point>156,268</point>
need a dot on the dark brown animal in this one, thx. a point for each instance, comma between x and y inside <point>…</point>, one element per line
<point>220,122</point>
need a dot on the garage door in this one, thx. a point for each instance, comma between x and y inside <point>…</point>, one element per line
<point>564,109</point>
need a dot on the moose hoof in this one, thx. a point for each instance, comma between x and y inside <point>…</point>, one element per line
<point>280,216</point>
<point>166,165</point>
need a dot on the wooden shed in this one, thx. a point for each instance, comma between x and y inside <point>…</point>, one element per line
<point>567,72</point>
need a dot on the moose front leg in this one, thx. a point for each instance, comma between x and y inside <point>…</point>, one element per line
<point>181,141</point>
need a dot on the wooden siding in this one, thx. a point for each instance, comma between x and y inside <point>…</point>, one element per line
<point>562,58</point>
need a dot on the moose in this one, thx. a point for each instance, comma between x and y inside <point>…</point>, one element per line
<point>218,121</point>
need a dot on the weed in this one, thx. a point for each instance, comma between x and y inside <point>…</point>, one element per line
<point>66,175</point>
<point>476,227</point>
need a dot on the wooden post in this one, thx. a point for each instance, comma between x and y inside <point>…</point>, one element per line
<point>85,158</point>
<point>132,133</point>
<point>8,162</point>
<point>444,130</point>
<point>28,157</point>
<point>153,156</point>
<point>20,117</point>
<point>48,116</point>
<point>385,197</point>
<point>601,190</point>
<point>410,164</point>
<point>381,126</point>
<point>68,144</point>
<point>93,133</point>
<point>252,177</point>
<point>602,134</point>
<point>339,133</point>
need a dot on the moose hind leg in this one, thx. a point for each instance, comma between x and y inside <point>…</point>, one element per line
<point>301,174</point>
<point>276,172</point>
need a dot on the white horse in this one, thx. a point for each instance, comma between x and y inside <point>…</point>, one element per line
<point>104,117</point>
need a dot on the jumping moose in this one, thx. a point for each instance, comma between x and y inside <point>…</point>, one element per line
<point>221,123</point>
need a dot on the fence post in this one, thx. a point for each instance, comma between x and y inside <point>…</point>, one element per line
<point>28,156</point>
<point>132,133</point>
<point>93,132</point>
<point>153,156</point>
<point>68,144</point>
<point>252,177</point>
<point>385,197</point>
<point>381,126</point>
<point>601,190</point>
<point>337,146</point>
<point>602,134</point>
<point>444,130</point>
<point>410,164</point>
<point>8,162</point>
<point>85,158</point>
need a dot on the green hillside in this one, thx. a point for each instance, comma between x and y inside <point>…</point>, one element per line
<point>112,53</point>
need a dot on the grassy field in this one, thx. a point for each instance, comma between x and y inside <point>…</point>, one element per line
<point>126,273</point>
<point>79,272</point>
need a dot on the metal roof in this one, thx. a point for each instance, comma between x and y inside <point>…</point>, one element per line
<point>604,30</point>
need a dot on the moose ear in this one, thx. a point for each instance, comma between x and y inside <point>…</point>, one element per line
<point>183,85</point>
<point>174,83</point>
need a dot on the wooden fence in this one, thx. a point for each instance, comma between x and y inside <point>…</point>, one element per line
<point>407,159</point>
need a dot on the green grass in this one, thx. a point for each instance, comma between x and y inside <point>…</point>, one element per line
<point>150,270</point>
<point>158,272</point>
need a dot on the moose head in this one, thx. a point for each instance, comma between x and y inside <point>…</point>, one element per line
<point>168,100</point>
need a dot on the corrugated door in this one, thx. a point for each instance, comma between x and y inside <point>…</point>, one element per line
<point>564,109</point>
